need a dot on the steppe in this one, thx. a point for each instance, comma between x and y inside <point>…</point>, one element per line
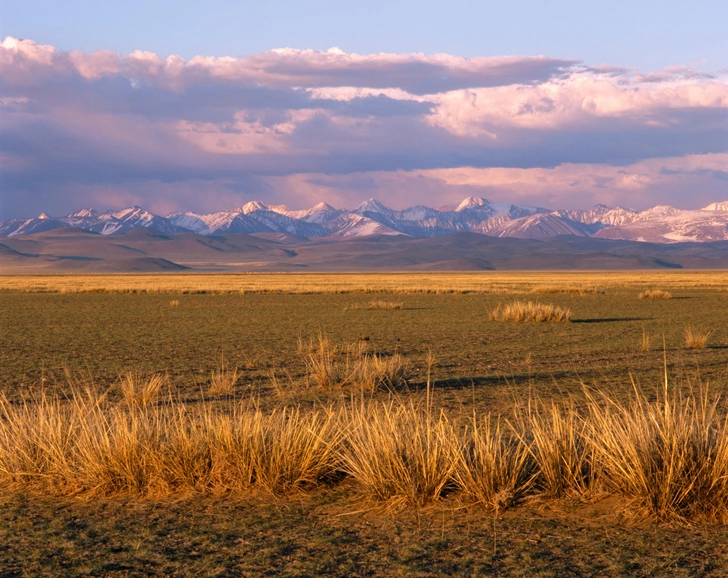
<point>503,454</point>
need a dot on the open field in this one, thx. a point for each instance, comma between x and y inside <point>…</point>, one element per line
<point>97,329</point>
<point>329,283</point>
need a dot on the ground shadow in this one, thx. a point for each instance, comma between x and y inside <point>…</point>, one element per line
<point>612,319</point>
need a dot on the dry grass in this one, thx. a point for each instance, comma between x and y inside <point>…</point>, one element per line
<point>223,379</point>
<point>696,338</point>
<point>379,304</point>
<point>329,366</point>
<point>655,294</point>
<point>174,303</point>
<point>667,458</point>
<point>364,283</point>
<point>645,341</point>
<point>400,453</point>
<point>89,446</point>
<point>494,466</point>
<point>519,311</point>
<point>556,290</point>
<point>139,390</point>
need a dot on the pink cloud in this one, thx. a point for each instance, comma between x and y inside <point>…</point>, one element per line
<point>303,126</point>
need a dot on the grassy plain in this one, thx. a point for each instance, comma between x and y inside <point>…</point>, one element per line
<point>100,328</point>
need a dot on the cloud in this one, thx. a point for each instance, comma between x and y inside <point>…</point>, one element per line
<point>290,125</point>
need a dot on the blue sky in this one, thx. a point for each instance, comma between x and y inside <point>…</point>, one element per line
<point>644,34</point>
<point>560,104</point>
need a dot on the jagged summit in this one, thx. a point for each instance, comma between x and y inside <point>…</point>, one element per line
<point>721,206</point>
<point>661,224</point>
<point>373,206</point>
<point>472,203</point>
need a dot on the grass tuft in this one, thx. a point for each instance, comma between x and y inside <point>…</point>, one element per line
<point>139,390</point>
<point>655,294</point>
<point>223,380</point>
<point>696,338</point>
<point>521,311</point>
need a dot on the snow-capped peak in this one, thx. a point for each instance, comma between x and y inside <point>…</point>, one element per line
<point>85,214</point>
<point>252,206</point>
<point>43,216</point>
<point>321,207</point>
<point>374,206</point>
<point>721,206</point>
<point>472,203</point>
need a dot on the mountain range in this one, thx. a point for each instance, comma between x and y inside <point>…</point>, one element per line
<point>660,224</point>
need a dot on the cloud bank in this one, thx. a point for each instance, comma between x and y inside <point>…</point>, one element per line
<point>300,126</point>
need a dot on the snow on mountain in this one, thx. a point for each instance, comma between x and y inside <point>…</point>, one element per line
<point>353,225</point>
<point>722,206</point>
<point>662,224</point>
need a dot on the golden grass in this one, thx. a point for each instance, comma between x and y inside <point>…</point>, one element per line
<point>141,390</point>
<point>174,303</point>
<point>525,311</point>
<point>379,304</point>
<point>696,338</point>
<point>400,453</point>
<point>655,294</point>
<point>668,458</point>
<point>366,283</point>
<point>223,379</point>
<point>645,341</point>
<point>566,290</point>
<point>330,365</point>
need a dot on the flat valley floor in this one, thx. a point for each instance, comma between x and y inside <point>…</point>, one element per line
<point>50,335</point>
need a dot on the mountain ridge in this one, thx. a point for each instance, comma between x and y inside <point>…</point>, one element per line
<point>659,224</point>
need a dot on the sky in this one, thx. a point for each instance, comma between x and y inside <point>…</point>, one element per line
<point>205,106</point>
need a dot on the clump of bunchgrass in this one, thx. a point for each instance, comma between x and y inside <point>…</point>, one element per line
<point>375,372</point>
<point>140,390</point>
<point>668,457</point>
<point>329,366</point>
<point>494,465</point>
<point>522,311</point>
<point>399,452</point>
<point>654,294</point>
<point>696,338</point>
<point>174,303</point>
<point>223,379</point>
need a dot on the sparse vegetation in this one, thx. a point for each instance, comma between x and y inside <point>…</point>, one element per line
<point>565,290</point>
<point>379,304</point>
<point>655,294</point>
<point>329,365</point>
<point>174,303</point>
<point>696,338</point>
<point>646,341</point>
<point>140,390</point>
<point>223,379</point>
<point>526,311</point>
<point>519,430</point>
